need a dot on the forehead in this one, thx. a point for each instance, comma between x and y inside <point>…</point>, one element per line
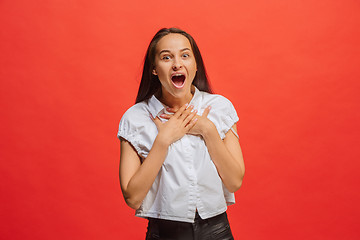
<point>173,42</point>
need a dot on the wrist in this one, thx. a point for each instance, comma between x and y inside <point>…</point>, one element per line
<point>209,130</point>
<point>162,141</point>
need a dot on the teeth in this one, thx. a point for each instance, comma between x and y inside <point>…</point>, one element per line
<point>178,75</point>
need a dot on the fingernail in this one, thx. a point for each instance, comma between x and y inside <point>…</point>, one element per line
<point>195,119</point>
<point>209,107</point>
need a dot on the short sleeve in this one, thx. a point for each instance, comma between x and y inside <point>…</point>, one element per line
<point>229,119</point>
<point>133,128</point>
<point>223,114</point>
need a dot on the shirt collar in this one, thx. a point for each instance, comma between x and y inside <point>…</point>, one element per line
<point>155,106</point>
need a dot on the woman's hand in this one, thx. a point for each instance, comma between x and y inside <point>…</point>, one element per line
<point>202,124</point>
<point>177,126</point>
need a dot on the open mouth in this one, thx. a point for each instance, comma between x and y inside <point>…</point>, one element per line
<point>178,80</point>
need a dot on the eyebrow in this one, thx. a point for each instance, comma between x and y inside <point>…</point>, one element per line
<point>184,49</point>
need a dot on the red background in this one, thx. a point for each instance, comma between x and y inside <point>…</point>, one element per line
<point>70,68</point>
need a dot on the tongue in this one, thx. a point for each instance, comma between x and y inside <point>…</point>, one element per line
<point>178,80</point>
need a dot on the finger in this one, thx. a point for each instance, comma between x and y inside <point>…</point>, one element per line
<point>166,116</point>
<point>189,118</point>
<point>186,112</point>
<point>206,111</point>
<point>172,110</point>
<point>181,110</point>
<point>191,124</point>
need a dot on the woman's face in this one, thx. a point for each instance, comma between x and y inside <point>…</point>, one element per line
<point>175,66</point>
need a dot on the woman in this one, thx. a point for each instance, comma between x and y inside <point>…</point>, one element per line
<point>180,164</point>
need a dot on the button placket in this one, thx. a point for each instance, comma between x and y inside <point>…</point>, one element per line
<point>188,160</point>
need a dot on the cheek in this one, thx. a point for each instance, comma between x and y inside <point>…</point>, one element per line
<point>162,68</point>
<point>193,68</point>
<point>162,74</point>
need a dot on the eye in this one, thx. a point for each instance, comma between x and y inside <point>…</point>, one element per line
<point>165,57</point>
<point>185,55</point>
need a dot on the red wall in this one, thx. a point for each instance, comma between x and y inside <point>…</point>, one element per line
<point>69,70</point>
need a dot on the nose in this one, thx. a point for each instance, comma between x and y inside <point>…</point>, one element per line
<point>177,64</point>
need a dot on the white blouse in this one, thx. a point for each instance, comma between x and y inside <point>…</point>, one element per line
<point>188,179</point>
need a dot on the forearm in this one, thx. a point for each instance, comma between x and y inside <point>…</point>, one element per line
<point>138,179</point>
<point>141,182</point>
<point>228,165</point>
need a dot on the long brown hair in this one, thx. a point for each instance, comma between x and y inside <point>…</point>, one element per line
<point>150,83</point>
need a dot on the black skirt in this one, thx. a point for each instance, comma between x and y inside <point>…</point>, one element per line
<point>215,228</point>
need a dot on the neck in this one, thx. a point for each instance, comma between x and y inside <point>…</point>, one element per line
<point>174,102</point>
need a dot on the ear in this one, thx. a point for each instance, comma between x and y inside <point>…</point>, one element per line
<point>154,72</point>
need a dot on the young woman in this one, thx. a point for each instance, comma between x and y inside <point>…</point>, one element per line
<point>180,161</point>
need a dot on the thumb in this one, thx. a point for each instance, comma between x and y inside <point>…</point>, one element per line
<point>206,111</point>
<point>156,120</point>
